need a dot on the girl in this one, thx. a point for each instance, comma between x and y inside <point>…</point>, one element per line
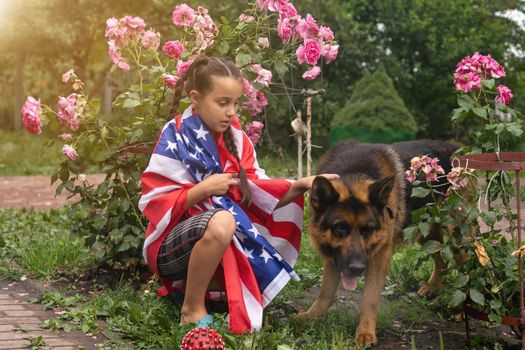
<point>208,202</point>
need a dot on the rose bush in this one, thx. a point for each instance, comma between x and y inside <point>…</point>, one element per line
<point>477,245</point>
<point>269,38</point>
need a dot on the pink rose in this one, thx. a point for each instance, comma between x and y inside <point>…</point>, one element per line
<point>309,52</point>
<point>330,52</point>
<point>173,48</point>
<point>263,42</point>
<point>264,76</point>
<point>67,75</point>
<point>182,67</point>
<point>284,29</point>
<point>31,111</point>
<point>245,18</point>
<point>286,9</point>
<point>133,25</point>
<point>263,4</point>
<point>410,175</point>
<point>307,28</point>
<point>123,65</point>
<point>312,73</point>
<point>467,82</point>
<point>183,15</point>
<point>170,80</point>
<point>150,40</point>
<point>113,29</point>
<point>505,94</point>
<point>67,111</point>
<point>69,152</point>
<point>253,130</point>
<point>326,33</point>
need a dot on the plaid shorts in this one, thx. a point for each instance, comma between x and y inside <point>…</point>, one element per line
<point>174,253</point>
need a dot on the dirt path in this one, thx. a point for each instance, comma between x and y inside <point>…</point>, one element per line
<point>35,192</point>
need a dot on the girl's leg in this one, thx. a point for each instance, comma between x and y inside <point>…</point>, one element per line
<point>204,259</point>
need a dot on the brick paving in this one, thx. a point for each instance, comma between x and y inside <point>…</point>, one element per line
<point>35,192</point>
<point>20,321</point>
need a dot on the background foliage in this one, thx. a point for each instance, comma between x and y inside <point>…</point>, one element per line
<point>375,113</point>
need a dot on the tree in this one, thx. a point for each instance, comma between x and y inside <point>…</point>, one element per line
<point>419,42</point>
<point>375,113</point>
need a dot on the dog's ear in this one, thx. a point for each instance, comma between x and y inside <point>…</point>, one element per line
<point>379,191</point>
<point>322,194</point>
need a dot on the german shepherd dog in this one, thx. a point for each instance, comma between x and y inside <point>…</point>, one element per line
<point>356,221</point>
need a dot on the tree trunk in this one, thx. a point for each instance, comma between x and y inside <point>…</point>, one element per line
<point>18,91</point>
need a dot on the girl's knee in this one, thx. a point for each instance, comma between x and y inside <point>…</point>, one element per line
<point>221,227</point>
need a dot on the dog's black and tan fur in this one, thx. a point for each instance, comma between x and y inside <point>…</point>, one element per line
<point>356,220</point>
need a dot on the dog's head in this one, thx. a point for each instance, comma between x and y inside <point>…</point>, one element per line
<point>348,221</point>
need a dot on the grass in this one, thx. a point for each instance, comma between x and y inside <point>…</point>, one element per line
<point>40,242</point>
<point>22,153</point>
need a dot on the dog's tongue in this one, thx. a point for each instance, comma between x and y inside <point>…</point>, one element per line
<point>349,282</point>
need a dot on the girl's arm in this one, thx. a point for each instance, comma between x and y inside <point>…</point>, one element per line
<point>299,187</point>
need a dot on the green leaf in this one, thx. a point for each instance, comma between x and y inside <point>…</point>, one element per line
<point>489,217</point>
<point>409,233</point>
<point>476,296</point>
<point>129,103</point>
<point>242,59</point>
<point>224,48</point>
<point>432,247</point>
<point>489,83</point>
<point>495,304</point>
<point>457,298</point>
<point>494,318</point>
<point>424,228</point>
<point>515,129</point>
<point>420,192</point>
<point>480,111</point>
<point>466,101</point>
<point>447,253</point>
<point>461,281</point>
<point>281,68</point>
<point>459,114</point>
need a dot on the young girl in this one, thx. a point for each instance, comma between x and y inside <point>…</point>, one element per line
<point>208,202</point>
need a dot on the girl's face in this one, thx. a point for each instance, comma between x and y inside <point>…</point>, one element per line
<point>218,106</point>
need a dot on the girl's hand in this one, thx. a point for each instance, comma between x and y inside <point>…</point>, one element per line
<point>306,182</point>
<point>218,184</point>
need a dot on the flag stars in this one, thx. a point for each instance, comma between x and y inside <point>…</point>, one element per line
<point>172,146</point>
<point>201,133</point>
<point>266,256</point>
<point>254,231</point>
<point>198,174</point>
<point>277,256</point>
<point>248,253</point>
<point>232,211</point>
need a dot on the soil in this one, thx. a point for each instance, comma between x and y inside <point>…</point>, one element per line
<point>426,337</point>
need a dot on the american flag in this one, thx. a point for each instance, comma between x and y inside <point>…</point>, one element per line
<point>260,259</point>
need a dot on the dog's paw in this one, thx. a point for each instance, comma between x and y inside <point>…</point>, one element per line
<point>427,290</point>
<point>365,337</point>
<point>305,315</point>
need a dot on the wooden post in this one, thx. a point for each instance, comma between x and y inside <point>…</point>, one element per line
<point>309,93</point>
<point>299,147</point>
<point>308,133</point>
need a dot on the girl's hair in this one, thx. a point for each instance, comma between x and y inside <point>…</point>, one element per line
<point>199,77</point>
